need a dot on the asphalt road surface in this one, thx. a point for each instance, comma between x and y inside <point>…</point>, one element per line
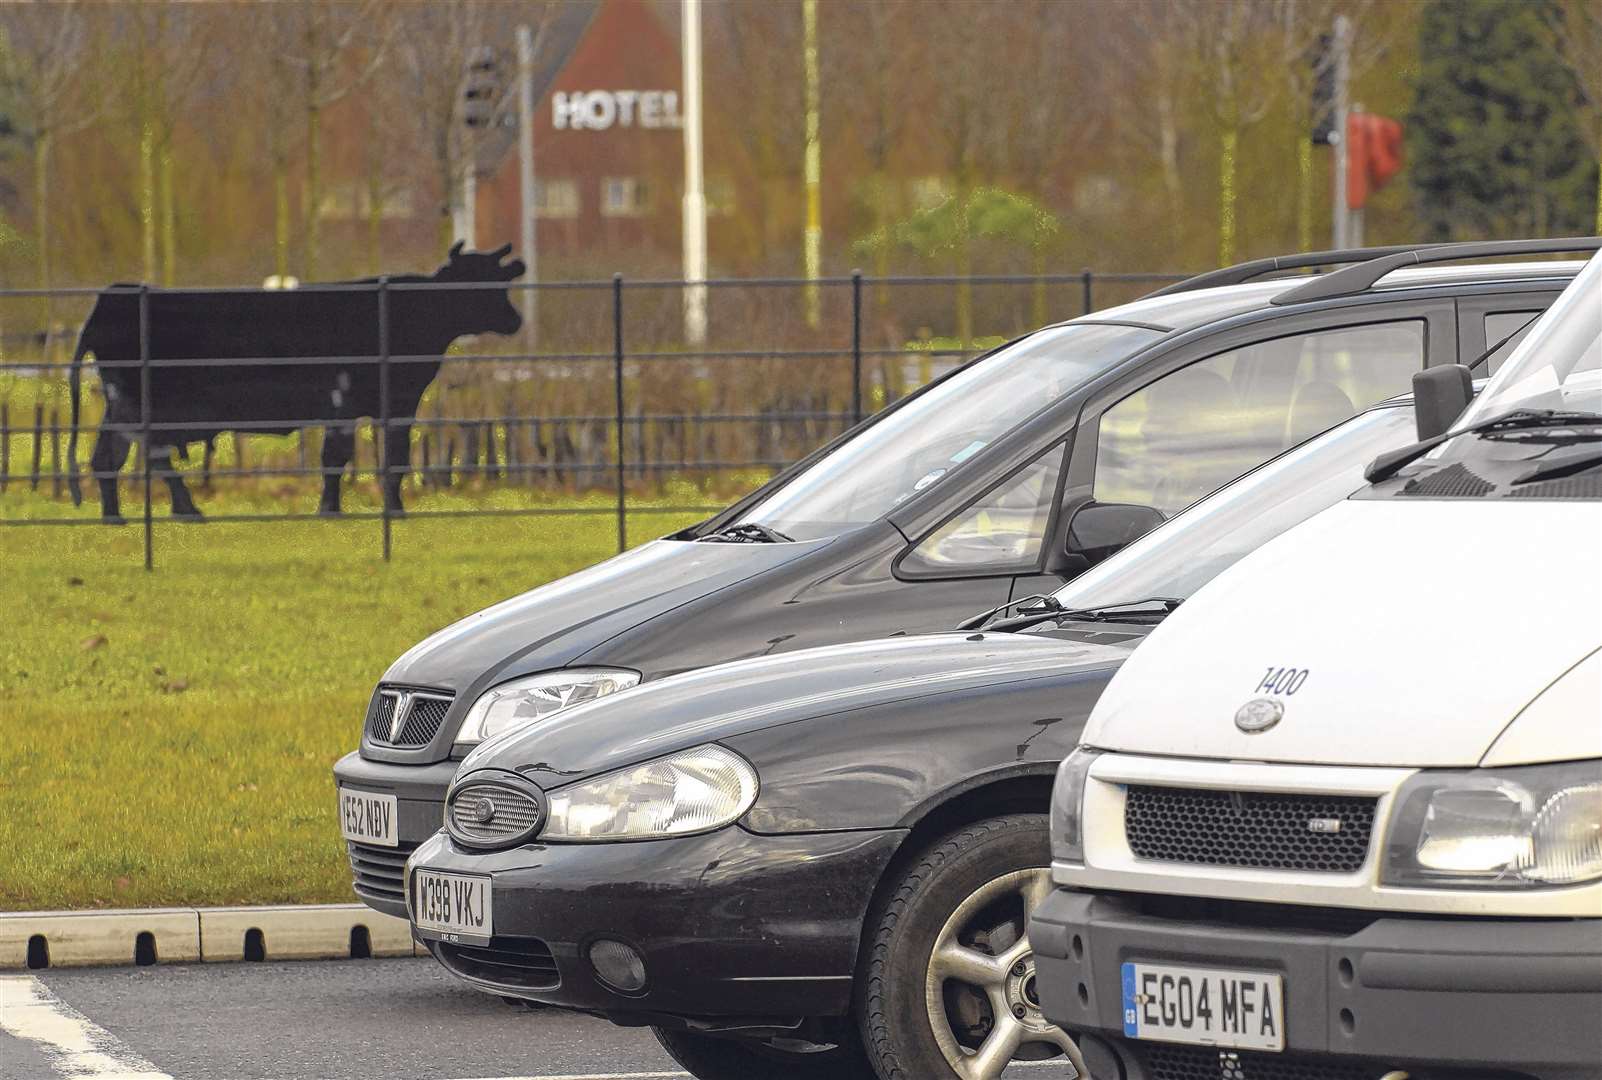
<point>340,1020</point>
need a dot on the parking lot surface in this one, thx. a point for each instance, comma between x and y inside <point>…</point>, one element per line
<point>343,1020</point>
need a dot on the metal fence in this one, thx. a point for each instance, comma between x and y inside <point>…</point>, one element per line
<point>599,392</point>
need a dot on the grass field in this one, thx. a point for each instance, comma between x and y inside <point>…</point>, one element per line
<point>166,737</point>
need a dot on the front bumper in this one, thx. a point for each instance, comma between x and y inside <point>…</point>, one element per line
<point>736,929</point>
<point>419,791</point>
<point>1399,993</point>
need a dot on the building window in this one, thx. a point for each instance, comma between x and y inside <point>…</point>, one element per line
<point>929,192</point>
<point>556,199</point>
<point>624,196</point>
<point>719,196</point>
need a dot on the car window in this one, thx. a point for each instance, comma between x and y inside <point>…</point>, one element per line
<point>1178,438</point>
<point>916,445</point>
<point>1498,325</point>
<point>1002,531</point>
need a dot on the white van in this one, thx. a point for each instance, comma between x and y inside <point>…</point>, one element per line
<point>1341,814</point>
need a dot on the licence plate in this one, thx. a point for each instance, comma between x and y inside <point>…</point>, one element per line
<point>367,818</point>
<point>456,906</point>
<point>1204,1006</point>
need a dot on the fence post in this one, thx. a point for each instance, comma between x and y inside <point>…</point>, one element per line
<point>617,380</point>
<point>5,444</point>
<point>144,414</point>
<point>384,464</point>
<point>38,446</point>
<point>1090,303</point>
<point>55,453</point>
<point>856,346</point>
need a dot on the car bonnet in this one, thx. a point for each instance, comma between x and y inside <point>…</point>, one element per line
<point>731,699</point>
<point>1398,632</point>
<point>556,623</point>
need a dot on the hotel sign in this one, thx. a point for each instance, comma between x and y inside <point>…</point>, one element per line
<point>597,110</point>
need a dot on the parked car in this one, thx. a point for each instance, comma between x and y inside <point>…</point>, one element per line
<point>742,855</point>
<point>1342,815</point>
<point>1001,480</point>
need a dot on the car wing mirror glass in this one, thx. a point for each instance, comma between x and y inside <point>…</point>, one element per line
<point>1098,530</point>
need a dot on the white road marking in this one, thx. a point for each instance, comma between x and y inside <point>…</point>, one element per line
<point>79,1048</point>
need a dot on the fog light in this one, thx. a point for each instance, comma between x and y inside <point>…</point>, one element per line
<point>618,965</point>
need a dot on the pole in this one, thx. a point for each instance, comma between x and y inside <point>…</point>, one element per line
<point>144,414</point>
<point>617,382</point>
<point>856,346</point>
<point>694,193</point>
<point>812,250</point>
<point>384,464</point>
<point>1343,75</point>
<point>525,165</point>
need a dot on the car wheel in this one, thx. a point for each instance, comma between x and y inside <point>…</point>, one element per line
<point>710,1057</point>
<point>948,983</point>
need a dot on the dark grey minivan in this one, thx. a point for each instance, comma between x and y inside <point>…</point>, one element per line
<point>1001,480</point>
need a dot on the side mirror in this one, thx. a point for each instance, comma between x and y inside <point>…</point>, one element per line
<point>1099,530</point>
<point>1440,394</point>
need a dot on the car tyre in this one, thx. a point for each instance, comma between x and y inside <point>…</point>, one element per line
<point>947,980</point>
<point>710,1057</point>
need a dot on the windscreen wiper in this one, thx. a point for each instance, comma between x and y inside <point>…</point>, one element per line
<point>1162,605</point>
<point>748,533</point>
<point>1559,467</point>
<point>1392,462</point>
<point>1044,601</point>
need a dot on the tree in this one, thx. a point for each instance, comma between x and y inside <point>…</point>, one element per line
<point>1576,35</point>
<point>43,55</point>
<point>1494,140</point>
<point>327,32</point>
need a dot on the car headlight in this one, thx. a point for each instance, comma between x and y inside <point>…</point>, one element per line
<point>523,701</point>
<point>693,791</point>
<point>1498,828</point>
<point>1068,806</point>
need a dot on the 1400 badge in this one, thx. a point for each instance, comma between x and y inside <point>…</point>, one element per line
<point>1204,1006</point>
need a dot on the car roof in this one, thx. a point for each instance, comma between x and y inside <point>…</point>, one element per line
<point>1187,310</point>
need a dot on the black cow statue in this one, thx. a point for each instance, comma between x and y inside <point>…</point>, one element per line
<point>260,328</point>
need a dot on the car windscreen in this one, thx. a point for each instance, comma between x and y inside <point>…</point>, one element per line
<point>1559,365</point>
<point>1186,552</point>
<point>911,447</point>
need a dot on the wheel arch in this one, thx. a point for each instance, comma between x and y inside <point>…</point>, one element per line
<point>1019,789</point>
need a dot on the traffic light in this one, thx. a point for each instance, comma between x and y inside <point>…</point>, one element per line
<point>1374,148</point>
<point>481,87</point>
<point>1322,60</point>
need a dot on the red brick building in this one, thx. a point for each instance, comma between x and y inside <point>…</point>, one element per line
<point>608,152</point>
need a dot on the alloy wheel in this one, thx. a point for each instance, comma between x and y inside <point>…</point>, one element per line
<point>980,986</point>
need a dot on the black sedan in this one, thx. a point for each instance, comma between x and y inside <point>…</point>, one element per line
<point>821,863</point>
<point>1004,479</point>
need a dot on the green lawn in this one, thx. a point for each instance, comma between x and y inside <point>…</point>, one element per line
<point>166,737</point>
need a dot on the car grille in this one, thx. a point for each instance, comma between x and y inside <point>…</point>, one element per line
<point>507,961</point>
<point>1266,831</point>
<point>380,872</point>
<point>513,814</point>
<point>1200,1063</point>
<point>421,714</point>
<point>1203,1063</point>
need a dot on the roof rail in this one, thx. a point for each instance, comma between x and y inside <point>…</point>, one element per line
<point>1246,271</point>
<point>1356,280</point>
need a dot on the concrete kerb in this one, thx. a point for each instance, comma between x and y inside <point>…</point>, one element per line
<point>41,939</point>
